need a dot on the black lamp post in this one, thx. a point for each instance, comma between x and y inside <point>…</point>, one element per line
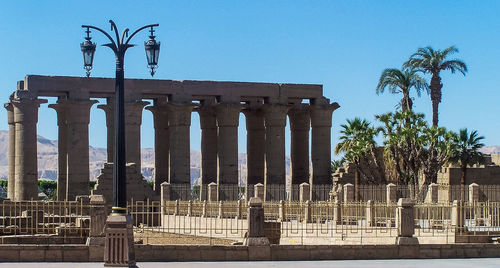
<point>119,47</point>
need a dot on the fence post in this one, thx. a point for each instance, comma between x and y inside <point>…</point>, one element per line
<point>281,211</point>
<point>432,193</point>
<point>405,222</point>
<point>255,221</point>
<point>190,208</point>
<point>307,212</point>
<point>474,192</point>
<point>212,192</point>
<point>391,193</point>
<point>238,209</point>
<point>221,213</point>
<point>304,192</point>
<point>258,191</point>
<point>204,209</point>
<point>98,215</point>
<point>370,216</point>
<point>176,209</point>
<point>165,192</point>
<point>337,216</point>
<point>348,193</point>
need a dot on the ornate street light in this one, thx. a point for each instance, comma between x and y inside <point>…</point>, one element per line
<point>119,223</point>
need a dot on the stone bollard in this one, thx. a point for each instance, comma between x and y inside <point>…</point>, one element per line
<point>281,211</point>
<point>304,192</point>
<point>212,192</point>
<point>176,208</point>
<point>238,209</point>
<point>405,222</point>
<point>391,192</point>
<point>348,193</point>
<point>255,221</point>
<point>165,192</point>
<point>307,212</point>
<point>432,193</point>
<point>474,192</point>
<point>204,209</point>
<point>258,191</point>
<point>370,213</point>
<point>98,215</point>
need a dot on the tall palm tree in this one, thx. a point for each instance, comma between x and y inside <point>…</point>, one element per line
<point>433,62</point>
<point>467,153</point>
<point>401,81</point>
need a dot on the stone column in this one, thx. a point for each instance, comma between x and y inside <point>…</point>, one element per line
<point>208,125</point>
<point>256,138</point>
<point>255,222</point>
<point>179,118</point>
<point>61,109</point>
<point>26,169</point>
<point>227,148</point>
<point>78,119</point>
<point>321,122</point>
<point>162,145</point>
<point>12,151</point>
<point>299,125</point>
<point>133,121</point>
<point>109,110</point>
<point>275,122</point>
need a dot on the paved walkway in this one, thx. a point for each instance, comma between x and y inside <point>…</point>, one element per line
<point>441,263</point>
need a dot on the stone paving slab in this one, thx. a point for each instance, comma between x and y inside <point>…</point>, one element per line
<point>429,263</point>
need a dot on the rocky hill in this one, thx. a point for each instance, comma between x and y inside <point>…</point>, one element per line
<point>47,160</point>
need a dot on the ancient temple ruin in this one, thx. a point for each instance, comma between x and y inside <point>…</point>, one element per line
<point>219,104</point>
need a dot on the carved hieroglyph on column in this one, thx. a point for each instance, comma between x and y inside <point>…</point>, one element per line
<point>78,119</point>
<point>61,108</point>
<point>26,171</point>
<point>321,123</point>
<point>179,118</point>
<point>299,150</point>
<point>162,144</point>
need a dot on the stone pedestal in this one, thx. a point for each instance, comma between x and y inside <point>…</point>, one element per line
<point>348,193</point>
<point>370,213</point>
<point>119,246</point>
<point>474,192</point>
<point>255,218</point>
<point>405,222</point>
<point>304,192</point>
<point>259,191</point>
<point>165,192</point>
<point>432,193</point>
<point>212,192</point>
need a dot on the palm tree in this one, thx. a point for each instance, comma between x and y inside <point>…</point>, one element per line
<point>432,62</point>
<point>467,153</point>
<point>355,141</point>
<point>401,81</point>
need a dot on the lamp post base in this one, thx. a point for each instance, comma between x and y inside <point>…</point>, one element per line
<point>119,245</point>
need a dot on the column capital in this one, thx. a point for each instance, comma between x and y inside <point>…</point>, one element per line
<point>133,110</point>
<point>227,114</point>
<point>254,118</point>
<point>207,117</point>
<point>61,108</point>
<point>10,112</point>
<point>160,115</point>
<point>275,114</point>
<point>26,109</point>
<point>179,114</point>
<point>300,118</point>
<point>79,111</point>
<point>321,115</point>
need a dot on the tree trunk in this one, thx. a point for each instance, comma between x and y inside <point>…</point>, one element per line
<point>435,86</point>
<point>462,182</point>
<point>356,184</point>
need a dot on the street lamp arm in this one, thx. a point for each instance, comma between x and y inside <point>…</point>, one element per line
<point>125,33</point>
<point>115,29</point>
<point>105,33</point>
<point>140,29</point>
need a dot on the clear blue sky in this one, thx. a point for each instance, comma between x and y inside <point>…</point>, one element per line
<point>344,45</point>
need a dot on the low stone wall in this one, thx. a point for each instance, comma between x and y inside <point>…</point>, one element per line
<point>151,253</point>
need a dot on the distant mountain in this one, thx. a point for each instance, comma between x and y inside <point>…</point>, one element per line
<point>491,150</point>
<point>47,160</point>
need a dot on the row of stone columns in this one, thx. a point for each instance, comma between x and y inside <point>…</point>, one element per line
<point>172,120</point>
